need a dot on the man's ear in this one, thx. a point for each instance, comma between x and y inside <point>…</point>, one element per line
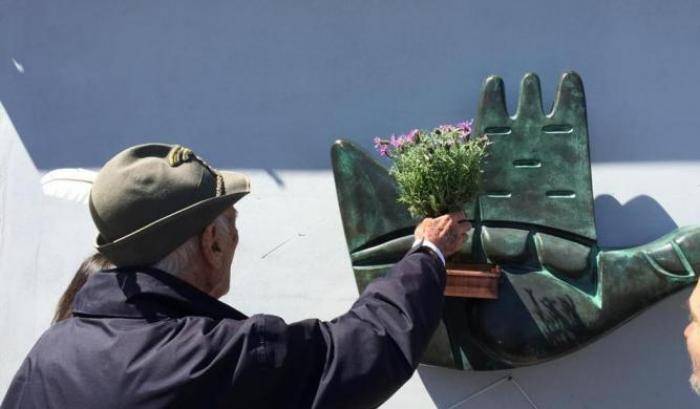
<point>209,246</point>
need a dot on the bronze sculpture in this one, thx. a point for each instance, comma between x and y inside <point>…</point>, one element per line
<point>534,218</point>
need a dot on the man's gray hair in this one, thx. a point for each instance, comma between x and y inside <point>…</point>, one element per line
<point>180,260</point>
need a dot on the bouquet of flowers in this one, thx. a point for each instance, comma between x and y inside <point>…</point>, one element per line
<point>437,171</point>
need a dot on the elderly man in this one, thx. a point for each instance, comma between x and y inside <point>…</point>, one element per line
<point>152,334</point>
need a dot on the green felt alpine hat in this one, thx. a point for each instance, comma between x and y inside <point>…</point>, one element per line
<point>149,199</point>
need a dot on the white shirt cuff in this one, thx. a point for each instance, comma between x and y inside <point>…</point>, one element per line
<point>429,244</point>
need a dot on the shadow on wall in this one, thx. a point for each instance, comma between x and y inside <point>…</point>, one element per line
<point>270,85</point>
<point>638,221</point>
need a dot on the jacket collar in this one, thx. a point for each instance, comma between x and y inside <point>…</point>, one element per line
<point>146,292</point>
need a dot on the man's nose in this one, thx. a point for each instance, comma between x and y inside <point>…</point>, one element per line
<point>687,330</point>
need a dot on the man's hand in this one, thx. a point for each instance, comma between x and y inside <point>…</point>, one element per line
<point>447,232</point>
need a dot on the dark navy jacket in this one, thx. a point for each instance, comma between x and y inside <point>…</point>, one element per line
<point>144,339</point>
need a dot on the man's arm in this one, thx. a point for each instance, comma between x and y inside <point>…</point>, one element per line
<point>361,358</point>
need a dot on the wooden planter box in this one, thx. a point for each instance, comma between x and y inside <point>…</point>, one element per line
<point>472,280</point>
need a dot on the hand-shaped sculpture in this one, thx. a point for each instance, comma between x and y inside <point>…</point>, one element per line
<point>534,218</point>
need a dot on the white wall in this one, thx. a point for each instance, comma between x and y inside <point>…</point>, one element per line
<point>20,207</point>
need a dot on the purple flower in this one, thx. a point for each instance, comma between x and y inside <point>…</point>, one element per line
<point>382,146</point>
<point>465,126</point>
<point>465,129</point>
<point>411,135</point>
<point>397,142</point>
<point>446,128</point>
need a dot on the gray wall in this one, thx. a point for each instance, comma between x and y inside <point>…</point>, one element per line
<point>267,86</point>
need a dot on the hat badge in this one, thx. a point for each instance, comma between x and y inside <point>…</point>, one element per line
<point>179,155</point>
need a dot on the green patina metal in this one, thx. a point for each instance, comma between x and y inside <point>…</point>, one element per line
<point>534,217</point>
<point>538,170</point>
